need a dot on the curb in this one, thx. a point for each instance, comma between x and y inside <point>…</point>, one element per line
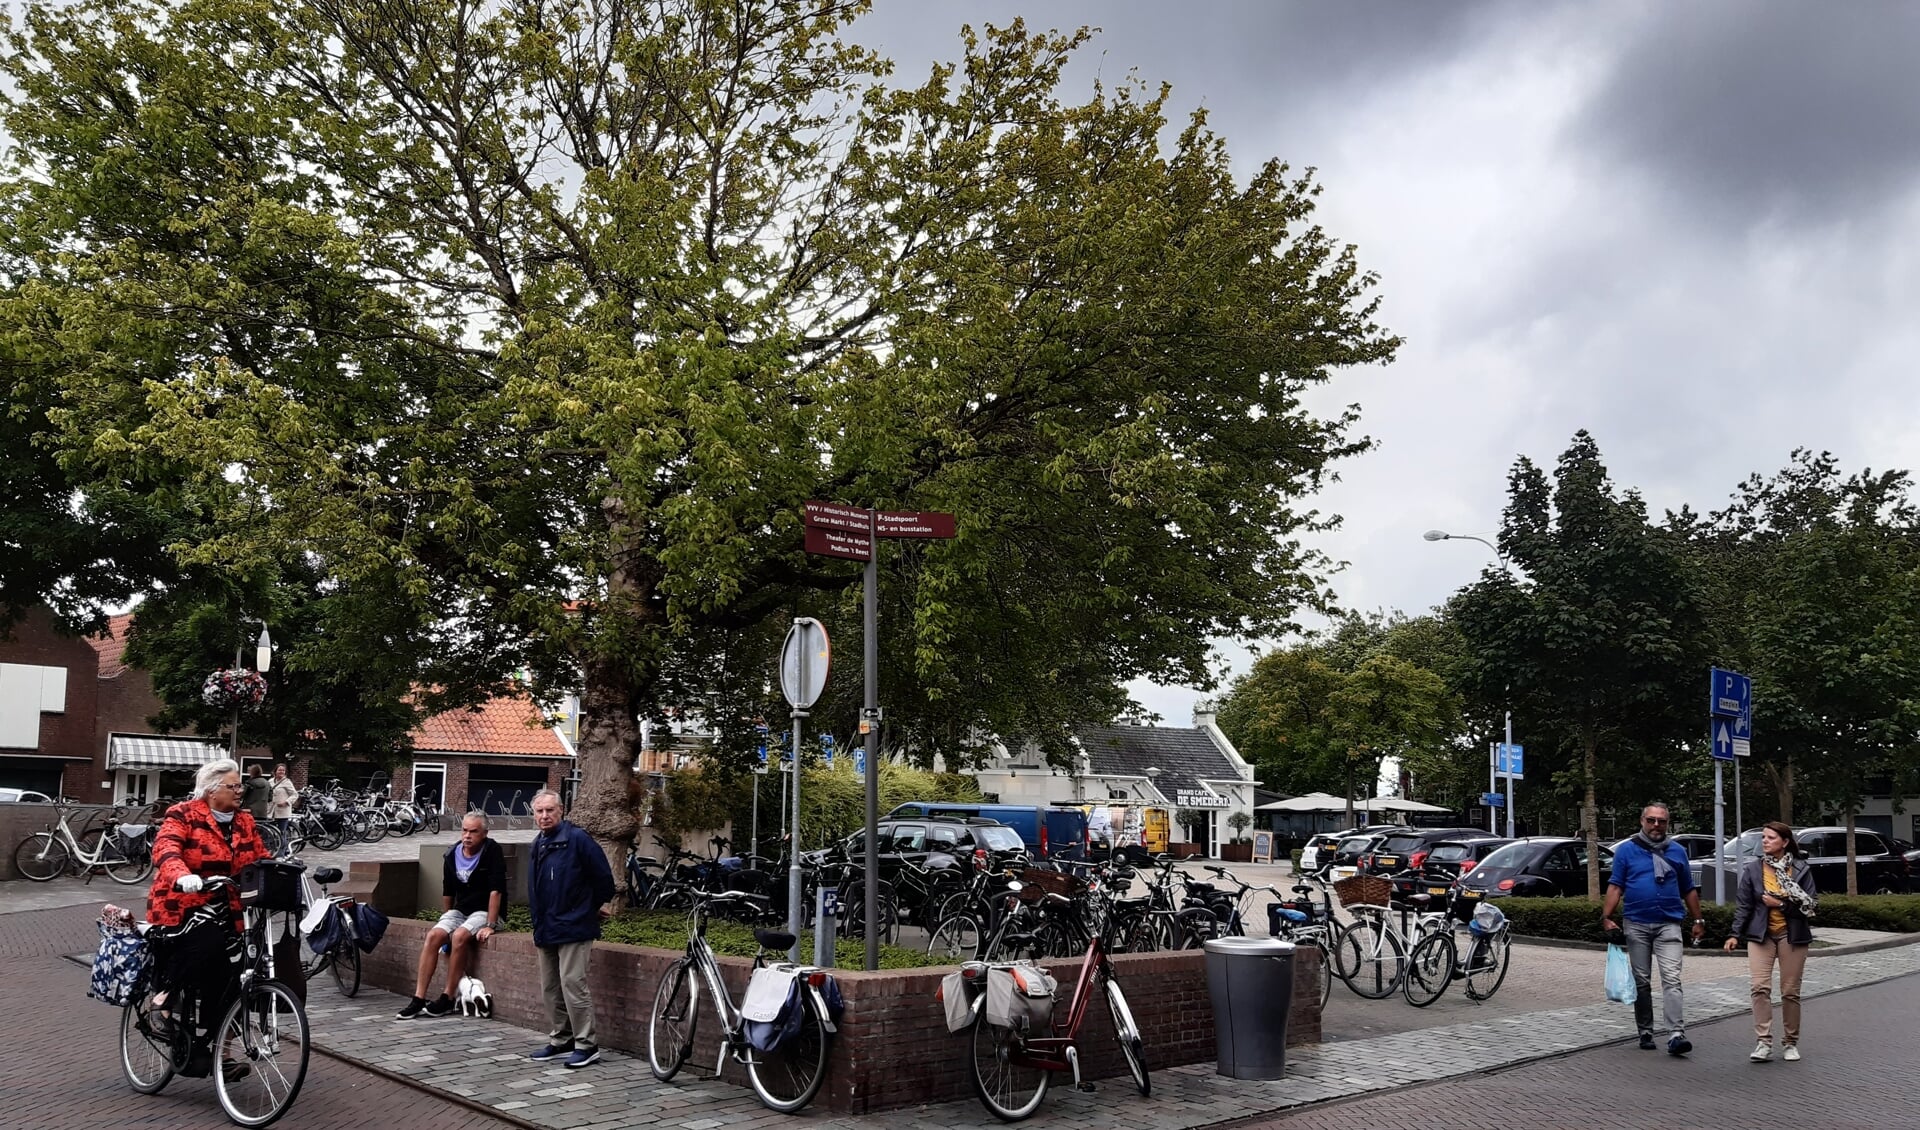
<point>1891,941</point>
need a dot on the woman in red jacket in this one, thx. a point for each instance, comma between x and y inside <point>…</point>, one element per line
<point>207,835</point>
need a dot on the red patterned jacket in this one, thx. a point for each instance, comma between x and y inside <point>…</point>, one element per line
<point>189,843</point>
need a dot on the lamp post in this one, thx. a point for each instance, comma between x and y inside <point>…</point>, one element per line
<point>1493,782</point>
<point>262,659</point>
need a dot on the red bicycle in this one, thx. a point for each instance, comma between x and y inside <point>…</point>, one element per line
<point>1013,1066</point>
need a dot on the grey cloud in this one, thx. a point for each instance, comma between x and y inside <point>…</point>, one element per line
<point>1757,111</point>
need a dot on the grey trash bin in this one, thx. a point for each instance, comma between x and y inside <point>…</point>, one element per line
<point>1250,981</point>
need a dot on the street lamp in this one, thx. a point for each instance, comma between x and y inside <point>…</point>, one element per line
<point>1492,775</point>
<point>262,659</point>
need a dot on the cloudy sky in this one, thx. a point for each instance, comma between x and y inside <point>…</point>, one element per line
<point>1692,229</point>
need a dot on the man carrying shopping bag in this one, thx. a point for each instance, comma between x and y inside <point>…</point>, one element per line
<point>1652,877</point>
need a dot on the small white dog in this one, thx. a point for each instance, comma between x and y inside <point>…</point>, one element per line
<point>473,998</point>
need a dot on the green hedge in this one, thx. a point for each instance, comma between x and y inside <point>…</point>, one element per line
<point>1579,920</point>
<point>667,929</point>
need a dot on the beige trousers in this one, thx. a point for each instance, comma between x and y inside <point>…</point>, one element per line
<point>563,982</point>
<point>1793,962</point>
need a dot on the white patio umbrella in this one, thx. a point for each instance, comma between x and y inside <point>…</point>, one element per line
<point>1311,802</point>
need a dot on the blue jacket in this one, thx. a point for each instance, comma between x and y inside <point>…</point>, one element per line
<point>1645,898</point>
<point>567,881</point>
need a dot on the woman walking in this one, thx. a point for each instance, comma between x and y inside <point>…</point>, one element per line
<point>1776,899</point>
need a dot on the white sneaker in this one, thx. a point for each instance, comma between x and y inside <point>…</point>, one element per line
<point>1791,1055</point>
<point>1762,1052</point>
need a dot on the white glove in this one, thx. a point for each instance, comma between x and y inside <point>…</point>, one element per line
<point>188,883</point>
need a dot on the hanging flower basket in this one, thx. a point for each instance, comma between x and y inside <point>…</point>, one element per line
<point>236,687</point>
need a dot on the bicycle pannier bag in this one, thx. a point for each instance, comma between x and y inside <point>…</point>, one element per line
<point>1019,997</point>
<point>369,926</point>
<point>953,999</point>
<point>118,965</point>
<point>325,934</point>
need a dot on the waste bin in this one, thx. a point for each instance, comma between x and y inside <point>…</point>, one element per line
<point>1250,981</point>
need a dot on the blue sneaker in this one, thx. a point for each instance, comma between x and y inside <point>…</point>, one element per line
<point>552,1051</point>
<point>583,1057</point>
<point>1679,1045</point>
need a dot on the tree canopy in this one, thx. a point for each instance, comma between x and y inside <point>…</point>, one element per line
<point>520,332</point>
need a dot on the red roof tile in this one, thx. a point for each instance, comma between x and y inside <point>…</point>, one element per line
<point>501,725</point>
<point>113,646</point>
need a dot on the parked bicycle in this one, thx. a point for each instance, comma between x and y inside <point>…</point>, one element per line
<point>123,850</point>
<point>256,1050</point>
<point>785,1078</point>
<point>341,953</point>
<point>1011,1066</point>
<point>1436,961</point>
<point>1370,956</point>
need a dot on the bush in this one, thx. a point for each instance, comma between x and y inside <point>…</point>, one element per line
<point>1579,920</point>
<point>1295,855</point>
<point>667,929</point>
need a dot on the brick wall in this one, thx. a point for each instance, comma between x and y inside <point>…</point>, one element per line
<point>893,1048</point>
<point>34,641</point>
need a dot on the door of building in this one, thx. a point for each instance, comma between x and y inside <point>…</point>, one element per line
<point>430,783</point>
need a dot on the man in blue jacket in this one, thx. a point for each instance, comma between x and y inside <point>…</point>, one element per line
<point>1652,876</point>
<point>569,889</point>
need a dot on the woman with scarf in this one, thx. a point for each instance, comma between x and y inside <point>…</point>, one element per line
<point>1776,899</point>
<point>473,878</point>
<point>199,838</point>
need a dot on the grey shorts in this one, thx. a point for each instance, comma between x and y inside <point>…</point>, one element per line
<point>453,920</point>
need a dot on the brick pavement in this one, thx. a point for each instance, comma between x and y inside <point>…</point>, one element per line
<point>61,1070</point>
<point>1856,1076</point>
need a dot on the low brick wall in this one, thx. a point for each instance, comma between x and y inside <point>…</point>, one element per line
<point>893,1048</point>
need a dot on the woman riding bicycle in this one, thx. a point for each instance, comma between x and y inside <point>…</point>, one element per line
<point>207,835</point>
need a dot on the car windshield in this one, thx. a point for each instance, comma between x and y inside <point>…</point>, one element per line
<point>1512,857</point>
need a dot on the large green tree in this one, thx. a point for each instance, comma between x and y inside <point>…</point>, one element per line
<point>534,323</point>
<point>1599,638</point>
<point>1817,587</point>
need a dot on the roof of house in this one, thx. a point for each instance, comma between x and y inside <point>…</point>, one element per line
<point>112,648</point>
<point>510,724</point>
<point>1183,755</point>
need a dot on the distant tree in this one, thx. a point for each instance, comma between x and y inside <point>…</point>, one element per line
<point>1600,639</point>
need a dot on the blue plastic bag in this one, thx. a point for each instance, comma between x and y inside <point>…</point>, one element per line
<point>1620,986</point>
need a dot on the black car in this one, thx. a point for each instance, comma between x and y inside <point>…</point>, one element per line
<point>1318,854</point>
<point>1536,867</point>
<point>1347,854</point>
<point>1447,860</point>
<point>1400,854</point>
<point>939,844</point>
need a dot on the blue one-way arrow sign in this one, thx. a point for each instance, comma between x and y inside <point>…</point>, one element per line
<point>1723,739</point>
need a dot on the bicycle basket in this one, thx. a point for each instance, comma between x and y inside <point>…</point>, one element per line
<point>274,884</point>
<point>1487,919</point>
<point>1036,884</point>
<point>1363,890</point>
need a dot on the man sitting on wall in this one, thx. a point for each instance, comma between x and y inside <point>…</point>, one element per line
<point>474,877</point>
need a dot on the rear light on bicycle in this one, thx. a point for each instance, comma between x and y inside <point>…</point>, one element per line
<point>817,978</point>
<point>1506,884</point>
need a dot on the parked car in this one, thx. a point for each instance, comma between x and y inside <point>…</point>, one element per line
<point>1346,856</point>
<point>1402,852</point>
<point>23,796</point>
<point>1447,860</point>
<point>1535,867</point>
<point>1317,855</point>
<point>938,844</point>
<point>1882,870</point>
<point>1049,832</point>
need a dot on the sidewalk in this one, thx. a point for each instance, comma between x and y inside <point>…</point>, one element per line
<point>484,1064</point>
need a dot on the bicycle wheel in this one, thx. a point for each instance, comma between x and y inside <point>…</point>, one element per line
<point>346,966</point>
<point>1429,969</point>
<point>1371,959</point>
<point>261,1053</point>
<point>1128,1033</point>
<point>1009,1087</point>
<point>269,836</point>
<point>1193,927</point>
<point>788,1077</point>
<point>955,940</point>
<point>145,1056</point>
<point>375,829</point>
<point>114,859</point>
<point>42,857</point>
<point>676,1007</point>
<point>1487,961</point>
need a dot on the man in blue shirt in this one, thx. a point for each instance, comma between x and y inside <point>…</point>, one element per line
<point>1651,875</point>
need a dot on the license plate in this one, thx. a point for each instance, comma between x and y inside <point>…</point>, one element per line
<point>1469,894</point>
<point>1436,890</point>
<point>1386,861</point>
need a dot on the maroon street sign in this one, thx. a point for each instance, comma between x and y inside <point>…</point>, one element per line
<point>839,543</point>
<point>913,524</point>
<point>836,516</point>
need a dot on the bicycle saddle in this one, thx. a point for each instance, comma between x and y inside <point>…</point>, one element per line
<point>774,939</point>
<point>327,875</point>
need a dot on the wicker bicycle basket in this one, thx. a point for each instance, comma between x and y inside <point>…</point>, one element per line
<point>1363,890</point>
<point>1036,884</point>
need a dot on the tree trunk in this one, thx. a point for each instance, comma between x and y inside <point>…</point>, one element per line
<point>1590,816</point>
<point>1782,777</point>
<point>1853,865</point>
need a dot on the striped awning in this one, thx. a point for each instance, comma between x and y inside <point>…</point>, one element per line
<point>148,751</point>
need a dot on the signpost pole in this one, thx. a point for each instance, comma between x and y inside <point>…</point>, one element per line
<point>754,847</point>
<point>1719,832</point>
<point>1493,786</point>
<point>793,843</point>
<point>1510,774</point>
<point>870,738</point>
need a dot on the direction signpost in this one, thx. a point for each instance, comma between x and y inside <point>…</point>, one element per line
<point>834,529</point>
<point>1729,736</point>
